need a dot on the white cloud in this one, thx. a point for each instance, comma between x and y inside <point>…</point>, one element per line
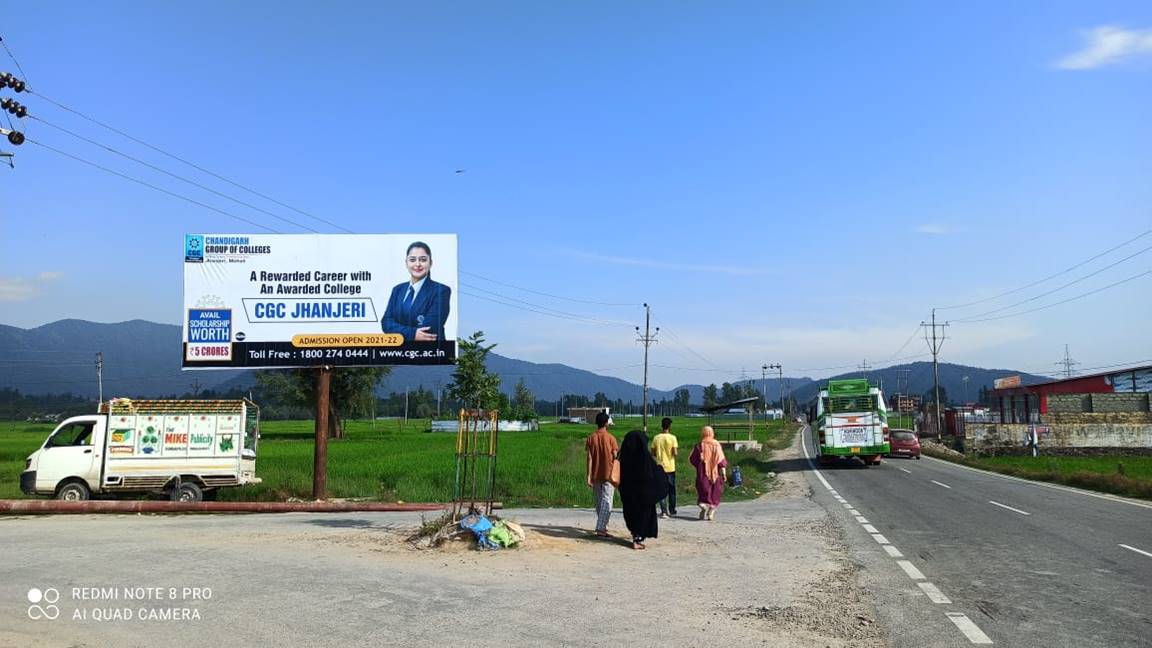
<point>664,265</point>
<point>1106,45</point>
<point>14,289</point>
<point>936,229</point>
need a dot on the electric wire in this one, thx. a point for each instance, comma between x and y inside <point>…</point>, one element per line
<point>1040,308</point>
<point>568,317</point>
<point>1070,283</point>
<point>184,161</point>
<point>551,311</point>
<point>173,175</point>
<point>545,294</point>
<point>151,186</point>
<point>1053,276</point>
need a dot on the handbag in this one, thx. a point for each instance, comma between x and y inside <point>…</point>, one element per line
<point>614,478</point>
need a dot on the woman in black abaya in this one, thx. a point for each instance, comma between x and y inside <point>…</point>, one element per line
<point>642,485</point>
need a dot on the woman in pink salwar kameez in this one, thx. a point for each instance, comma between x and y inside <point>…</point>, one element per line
<point>708,458</point>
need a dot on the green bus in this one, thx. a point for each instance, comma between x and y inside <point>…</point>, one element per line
<point>850,420</point>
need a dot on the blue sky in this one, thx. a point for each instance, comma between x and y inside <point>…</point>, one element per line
<point>794,183</point>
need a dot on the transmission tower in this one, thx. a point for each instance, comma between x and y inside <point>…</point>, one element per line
<point>1068,363</point>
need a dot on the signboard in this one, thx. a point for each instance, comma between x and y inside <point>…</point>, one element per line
<point>1006,382</point>
<point>286,300</point>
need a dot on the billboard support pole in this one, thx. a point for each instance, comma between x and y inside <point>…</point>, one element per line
<point>320,458</point>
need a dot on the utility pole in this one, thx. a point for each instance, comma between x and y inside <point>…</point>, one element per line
<point>14,137</point>
<point>779,369</point>
<point>934,346</point>
<point>648,339</point>
<point>764,388</point>
<point>320,451</point>
<point>1068,363</point>
<point>100,376</point>
<point>864,367</point>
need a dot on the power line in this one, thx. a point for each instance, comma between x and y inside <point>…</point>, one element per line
<point>1070,283</point>
<point>684,344</point>
<point>544,310</point>
<point>1062,272</point>
<point>173,175</point>
<point>544,294</point>
<point>906,342</point>
<point>184,161</point>
<point>152,186</point>
<point>1040,308</point>
<point>557,314</point>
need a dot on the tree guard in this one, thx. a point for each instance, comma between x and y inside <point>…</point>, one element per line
<point>476,443</point>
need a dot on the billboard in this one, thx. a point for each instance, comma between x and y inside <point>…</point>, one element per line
<point>1006,382</point>
<point>303,300</point>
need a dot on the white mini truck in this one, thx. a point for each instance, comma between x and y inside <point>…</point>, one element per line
<point>185,449</point>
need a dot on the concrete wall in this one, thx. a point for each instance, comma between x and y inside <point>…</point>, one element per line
<point>1064,436</point>
<point>1097,403</point>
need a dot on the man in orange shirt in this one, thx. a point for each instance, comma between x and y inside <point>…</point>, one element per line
<point>602,449</point>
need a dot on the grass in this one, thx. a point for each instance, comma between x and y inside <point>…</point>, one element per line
<point>1126,475</point>
<point>390,461</point>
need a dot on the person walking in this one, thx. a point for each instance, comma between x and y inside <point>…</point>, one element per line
<point>664,449</point>
<point>711,472</point>
<point>642,484</point>
<point>602,449</point>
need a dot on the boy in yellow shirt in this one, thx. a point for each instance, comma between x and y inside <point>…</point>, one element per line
<point>664,449</point>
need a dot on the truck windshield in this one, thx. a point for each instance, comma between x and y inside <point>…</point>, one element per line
<point>76,434</point>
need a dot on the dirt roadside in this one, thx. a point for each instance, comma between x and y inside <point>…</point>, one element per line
<point>773,572</point>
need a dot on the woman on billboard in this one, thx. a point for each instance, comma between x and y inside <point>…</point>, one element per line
<point>418,308</point>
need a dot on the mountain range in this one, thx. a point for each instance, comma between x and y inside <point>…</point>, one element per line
<point>142,359</point>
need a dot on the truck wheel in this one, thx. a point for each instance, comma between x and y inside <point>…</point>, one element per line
<point>188,491</point>
<point>73,491</point>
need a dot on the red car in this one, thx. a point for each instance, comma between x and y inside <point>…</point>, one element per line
<point>904,444</point>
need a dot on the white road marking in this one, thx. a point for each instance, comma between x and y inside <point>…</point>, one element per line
<point>970,630</point>
<point>861,519</point>
<point>847,505</point>
<point>833,492</point>
<point>1080,491</point>
<point>893,551</point>
<point>880,538</point>
<point>870,529</point>
<point>1009,508</point>
<point>1139,551</point>
<point>934,593</point>
<point>940,484</point>
<point>910,569</point>
<point>906,470</point>
<point>841,500</point>
<point>853,512</point>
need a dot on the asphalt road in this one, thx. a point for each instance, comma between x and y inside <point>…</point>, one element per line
<point>988,558</point>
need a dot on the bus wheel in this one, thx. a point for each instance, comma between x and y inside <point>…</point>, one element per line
<point>73,491</point>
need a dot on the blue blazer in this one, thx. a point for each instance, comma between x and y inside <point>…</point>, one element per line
<point>430,308</point>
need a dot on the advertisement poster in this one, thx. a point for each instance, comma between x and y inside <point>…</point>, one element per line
<point>305,300</point>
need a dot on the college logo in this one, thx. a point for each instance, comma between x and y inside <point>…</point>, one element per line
<point>193,248</point>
